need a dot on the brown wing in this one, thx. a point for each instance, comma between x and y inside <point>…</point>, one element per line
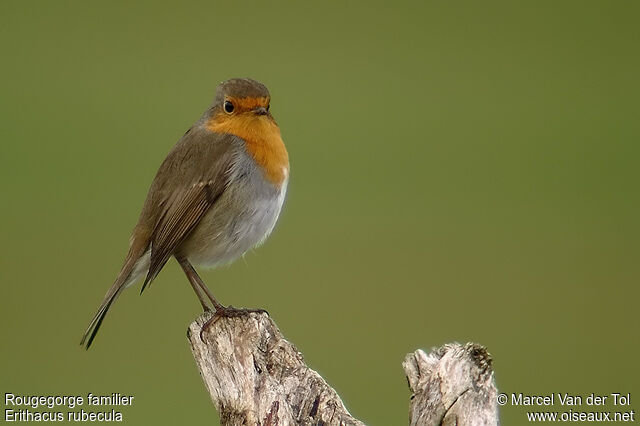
<point>189,182</point>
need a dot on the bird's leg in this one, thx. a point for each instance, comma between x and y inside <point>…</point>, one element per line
<point>220,309</point>
<point>195,280</point>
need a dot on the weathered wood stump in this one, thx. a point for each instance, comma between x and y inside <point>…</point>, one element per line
<point>256,377</point>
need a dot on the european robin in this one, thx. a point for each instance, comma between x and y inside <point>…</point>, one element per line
<point>217,194</point>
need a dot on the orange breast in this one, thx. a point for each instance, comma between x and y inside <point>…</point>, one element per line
<point>264,142</point>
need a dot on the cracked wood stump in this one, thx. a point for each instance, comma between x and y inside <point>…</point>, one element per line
<point>452,386</point>
<point>256,377</point>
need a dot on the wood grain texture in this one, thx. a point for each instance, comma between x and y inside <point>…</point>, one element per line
<point>452,385</point>
<point>256,377</point>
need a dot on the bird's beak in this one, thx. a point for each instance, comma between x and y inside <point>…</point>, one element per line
<point>260,111</point>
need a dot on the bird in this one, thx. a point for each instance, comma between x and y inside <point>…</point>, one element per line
<point>217,194</point>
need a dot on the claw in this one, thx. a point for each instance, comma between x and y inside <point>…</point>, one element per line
<point>229,312</point>
<point>215,317</point>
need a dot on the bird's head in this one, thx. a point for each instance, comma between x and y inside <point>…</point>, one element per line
<point>241,108</point>
<point>242,97</point>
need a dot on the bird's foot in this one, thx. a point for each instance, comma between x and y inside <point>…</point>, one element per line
<point>231,312</point>
<point>228,312</point>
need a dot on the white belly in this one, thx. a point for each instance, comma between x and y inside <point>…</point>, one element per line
<point>242,218</point>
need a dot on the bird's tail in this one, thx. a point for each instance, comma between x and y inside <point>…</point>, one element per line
<point>133,269</point>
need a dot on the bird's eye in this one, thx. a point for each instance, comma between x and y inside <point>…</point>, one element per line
<point>228,107</point>
<point>268,105</point>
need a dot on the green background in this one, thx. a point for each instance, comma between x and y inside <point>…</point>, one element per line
<point>465,171</point>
